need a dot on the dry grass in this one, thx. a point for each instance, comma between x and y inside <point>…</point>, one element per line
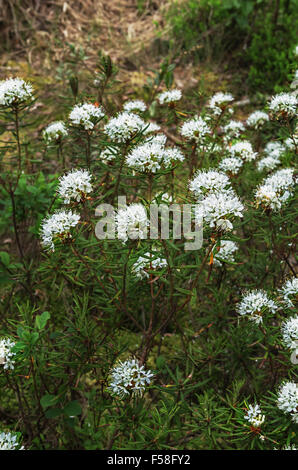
<point>37,34</point>
<point>38,30</point>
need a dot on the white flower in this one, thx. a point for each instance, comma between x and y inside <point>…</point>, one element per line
<point>243,150</point>
<point>269,198</point>
<point>254,304</point>
<point>172,155</point>
<point>129,378</point>
<point>254,416</point>
<point>287,399</point>
<point>75,185</point>
<point>225,252</point>
<point>219,101</point>
<point>124,126</point>
<point>284,103</point>
<point>164,198</point>
<point>86,115</point>
<point>14,91</point>
<point>56,226</point>
<point>276,189</point>
<point>147,156</point>
<point>195,129</point>
<point>143,263</point>
<point>135,105</point>
<point>6,354</point>
<point>219,209</point>
<point>257,119</point>
<point>55,131</point>
<point>231,165</point>
<point>268,163</point>
<point>291,142</point>
<point>169,96</point>
<point>207,181</point>
<point>9,441</point>
<point>290,447</point>
<point>289,291</point>
<point>234,128</point>
<point>274,149</point>
<point>132,222</point>
<point>289,331</point>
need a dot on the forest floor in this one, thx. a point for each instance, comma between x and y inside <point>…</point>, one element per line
<point>133,32</point>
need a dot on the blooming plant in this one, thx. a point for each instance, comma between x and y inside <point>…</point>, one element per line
<point>114,335</point>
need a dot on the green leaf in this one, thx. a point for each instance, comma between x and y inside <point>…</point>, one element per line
<point>4,257</point>
<point>73,408</point>
<point>160,362</point>
<point>41,320</point>
<point>48,400</point>
<point>53,413</point>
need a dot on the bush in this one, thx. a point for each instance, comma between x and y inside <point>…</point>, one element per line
<point>256,35</point>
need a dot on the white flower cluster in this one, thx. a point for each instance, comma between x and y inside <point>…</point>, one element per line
<point>287,399</point>
<point>55,131</point>
<point>124,126</point>
<point>254,304</point>
<point>225,252</point>
<point>243,150</point>
<point>219,102</point>
<point>170,96</point>
<point>58,225</point>
<point>276,189</point>
<point>134,105</point>
<point>284,104</point>
<point>151,155</point>
<point>6,354</point>
<point>132,222</point>
<point>231,165</point>
<point>254,416</point>
<point>234,128</point>
<point>143,263</point>
<point>289,331</point>
<point>129,378</point>
<point>289,291</point>
<point>75,185</point>
<point>268,163</point>
<point>257,119</point>
<point>172,155</point>
<point>9,441</point>
<point>219,209</point>
<point>146,157</point>
<point>274,149</point>
<point>195,129</point>
<point>86,115</point>
<point>206,181</point>
<point>14,91</point>
<point>292,142</point>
